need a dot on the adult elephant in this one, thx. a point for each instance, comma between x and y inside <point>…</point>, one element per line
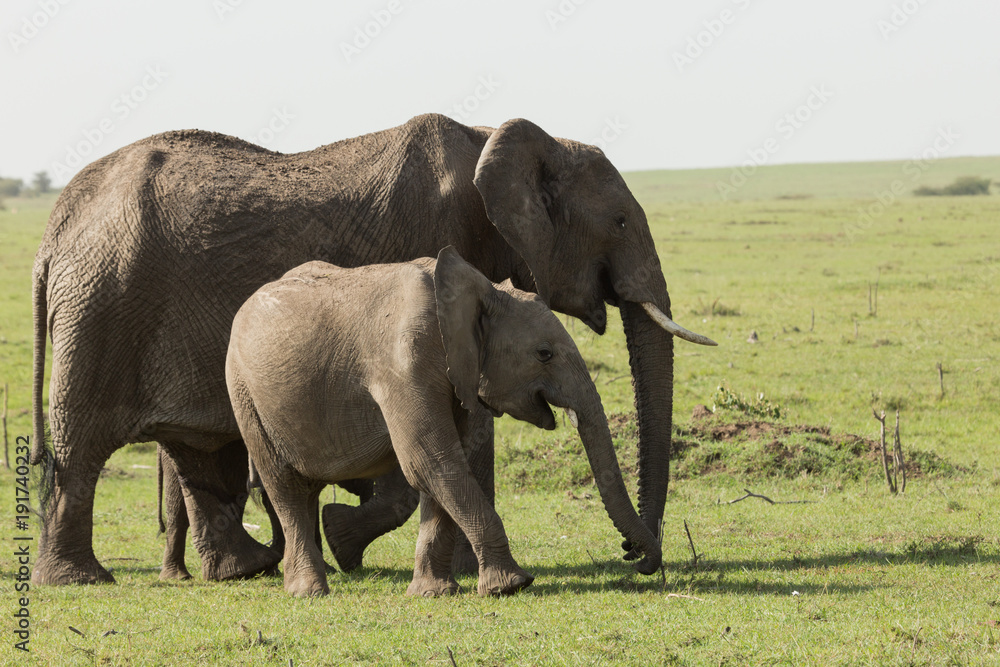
<point>150,251</point>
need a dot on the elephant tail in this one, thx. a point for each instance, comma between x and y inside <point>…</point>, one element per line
<point>159,489</point>
<point>40,320</point>
<point>255,489</point>
<point>41,456</point>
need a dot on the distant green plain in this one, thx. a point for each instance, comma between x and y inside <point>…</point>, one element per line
<point>854,576</point>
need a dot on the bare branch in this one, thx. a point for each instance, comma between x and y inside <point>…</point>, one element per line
<point>694,554</point>
<point>751,494</point>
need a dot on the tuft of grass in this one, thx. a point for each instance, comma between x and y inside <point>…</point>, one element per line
<point>715,309</point>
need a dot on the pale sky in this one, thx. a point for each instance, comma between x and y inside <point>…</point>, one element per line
<point>668,84</point>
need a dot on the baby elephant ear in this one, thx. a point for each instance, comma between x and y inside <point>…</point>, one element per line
<point>462,293</point>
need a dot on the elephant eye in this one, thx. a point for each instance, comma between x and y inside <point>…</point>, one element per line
<point>620,220</point>
<point>544,354</point>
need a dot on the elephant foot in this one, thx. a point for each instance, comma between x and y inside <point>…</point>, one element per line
<point>430,587</point>
<point>464,560</point>
<point>341,528</point>
<point>307,586</point>
<point>251,560</point>
<point>174,573</point>
<point>496,582</point>
<point>52,570</point>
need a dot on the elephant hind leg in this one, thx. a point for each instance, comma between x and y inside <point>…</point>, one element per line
<point>296,504</point>
<point>176,521</point>
<point>66,548</point>
<point>349,530</point>
<point>214,491</point>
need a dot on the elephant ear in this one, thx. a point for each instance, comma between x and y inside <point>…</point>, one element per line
<point>517,176</point>
<point>463,296</point>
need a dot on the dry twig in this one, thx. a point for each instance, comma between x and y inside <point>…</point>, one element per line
<point>3,417</point>
<point>686,597</point>
<point>898,465</point>
<point>882,450</point>
<point>751,494</point>
<point>897,455</point>
<point>694,554</point>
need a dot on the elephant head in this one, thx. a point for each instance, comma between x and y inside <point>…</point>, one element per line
<point>506,350</point>
<point>567,211</point>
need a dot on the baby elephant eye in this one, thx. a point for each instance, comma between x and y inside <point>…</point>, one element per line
<point>544,354</point>
<point>620,221</point>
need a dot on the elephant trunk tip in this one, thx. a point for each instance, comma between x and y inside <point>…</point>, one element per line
<point>649,564</point>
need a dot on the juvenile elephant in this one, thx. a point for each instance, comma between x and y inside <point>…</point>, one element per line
<point>348,373</point>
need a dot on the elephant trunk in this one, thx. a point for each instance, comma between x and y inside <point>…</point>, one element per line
<point>651,357</point>
<point>596,437</point>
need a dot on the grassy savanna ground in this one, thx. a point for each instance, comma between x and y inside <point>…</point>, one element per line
<point>855,576</point>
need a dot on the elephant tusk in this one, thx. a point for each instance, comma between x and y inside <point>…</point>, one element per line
<point>571,413</point>
<point>672,327</point>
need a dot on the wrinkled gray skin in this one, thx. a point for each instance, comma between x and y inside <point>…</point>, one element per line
<point>150,251</point>
<point>337,374</point>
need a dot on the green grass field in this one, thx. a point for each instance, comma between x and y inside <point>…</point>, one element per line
<point>853,575</point>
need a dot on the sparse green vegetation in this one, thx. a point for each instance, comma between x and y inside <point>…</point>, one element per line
<point>963,186</point>
<point>10,187</point>
<point>854,576</point>
<point>758,406</point>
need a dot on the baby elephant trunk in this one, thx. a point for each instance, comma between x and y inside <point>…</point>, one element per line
<point>596,437</point>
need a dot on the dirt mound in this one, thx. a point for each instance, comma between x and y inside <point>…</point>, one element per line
<point>760,448</point>
<point>714,444</point>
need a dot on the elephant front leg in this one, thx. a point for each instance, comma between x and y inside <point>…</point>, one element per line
<point>435,463</point>
<point>475,427</point>
<point>214,489</point>
<point>432,568</point>
<point>176,522</point>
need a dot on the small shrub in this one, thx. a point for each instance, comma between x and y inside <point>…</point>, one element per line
<point>962,186</point>
<point>758,407</point>
<point>10,187</point>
